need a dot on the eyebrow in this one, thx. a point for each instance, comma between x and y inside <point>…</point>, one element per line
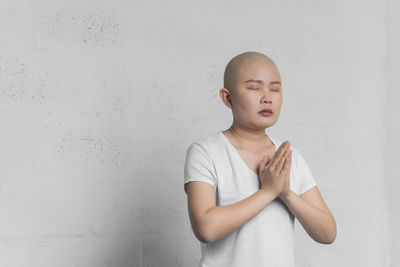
<point>260,81</point>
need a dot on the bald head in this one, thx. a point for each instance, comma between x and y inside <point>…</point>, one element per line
<point>235,64</point>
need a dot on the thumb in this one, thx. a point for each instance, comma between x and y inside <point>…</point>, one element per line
<point>266,160</point>
<point>263,162</point>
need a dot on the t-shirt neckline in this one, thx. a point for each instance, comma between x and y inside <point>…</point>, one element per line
<point>232,148</point>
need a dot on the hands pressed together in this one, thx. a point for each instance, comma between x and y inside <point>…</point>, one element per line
<point>274,173</point>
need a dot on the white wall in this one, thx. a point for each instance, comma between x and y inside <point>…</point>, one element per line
<point>100,99</point>
<point>392,174</point>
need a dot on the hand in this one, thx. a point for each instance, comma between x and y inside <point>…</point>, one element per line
<point>286,186</point>
<point>274,173</point>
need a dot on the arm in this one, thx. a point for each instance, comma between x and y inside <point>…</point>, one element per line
<point>211,222</point>
<point>313,214</point>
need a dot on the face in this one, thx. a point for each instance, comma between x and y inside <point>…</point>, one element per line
<point>258,87</point>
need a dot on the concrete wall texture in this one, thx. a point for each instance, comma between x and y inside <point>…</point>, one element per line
<point>100,99</point>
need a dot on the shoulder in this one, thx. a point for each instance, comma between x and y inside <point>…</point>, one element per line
<point>207,144</point>
<point>209,141</point>
<point>298,160</point>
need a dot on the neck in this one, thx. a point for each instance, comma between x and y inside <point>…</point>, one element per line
<point>249,138</point>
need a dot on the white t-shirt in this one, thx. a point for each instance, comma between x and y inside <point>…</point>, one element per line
<point>267,239</point>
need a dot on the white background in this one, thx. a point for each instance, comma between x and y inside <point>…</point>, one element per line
<point>100,99</point>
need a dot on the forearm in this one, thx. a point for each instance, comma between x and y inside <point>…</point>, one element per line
<point>221,220</point>
<point>320,225</point>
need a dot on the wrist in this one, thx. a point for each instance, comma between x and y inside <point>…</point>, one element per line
<point>268,191</point>
<point>286,197</point>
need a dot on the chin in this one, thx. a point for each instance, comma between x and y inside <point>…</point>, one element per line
<point>270,121</point>
<point>266,124</point>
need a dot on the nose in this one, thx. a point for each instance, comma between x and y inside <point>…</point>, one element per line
<point>267,101</point>
<point>265,96</point>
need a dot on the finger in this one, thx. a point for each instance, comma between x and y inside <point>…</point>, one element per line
<point>279,153</point>
<point>262,164</point>
<point>266,160</point>
<point>288,162</point>
<point>282,160</point>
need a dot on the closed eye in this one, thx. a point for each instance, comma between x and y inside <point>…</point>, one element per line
<point>273,89</point>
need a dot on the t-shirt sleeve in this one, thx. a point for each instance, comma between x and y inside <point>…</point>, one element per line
<point>305,176</point>
<point>199,166</point>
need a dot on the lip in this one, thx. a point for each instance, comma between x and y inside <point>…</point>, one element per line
<point>267,110</point>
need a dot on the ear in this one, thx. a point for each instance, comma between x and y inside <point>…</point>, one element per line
<point>224,95</point>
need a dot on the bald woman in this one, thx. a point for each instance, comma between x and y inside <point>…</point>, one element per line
<point>244,187</point>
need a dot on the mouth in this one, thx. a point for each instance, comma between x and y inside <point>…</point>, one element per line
<point>266,112</point>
